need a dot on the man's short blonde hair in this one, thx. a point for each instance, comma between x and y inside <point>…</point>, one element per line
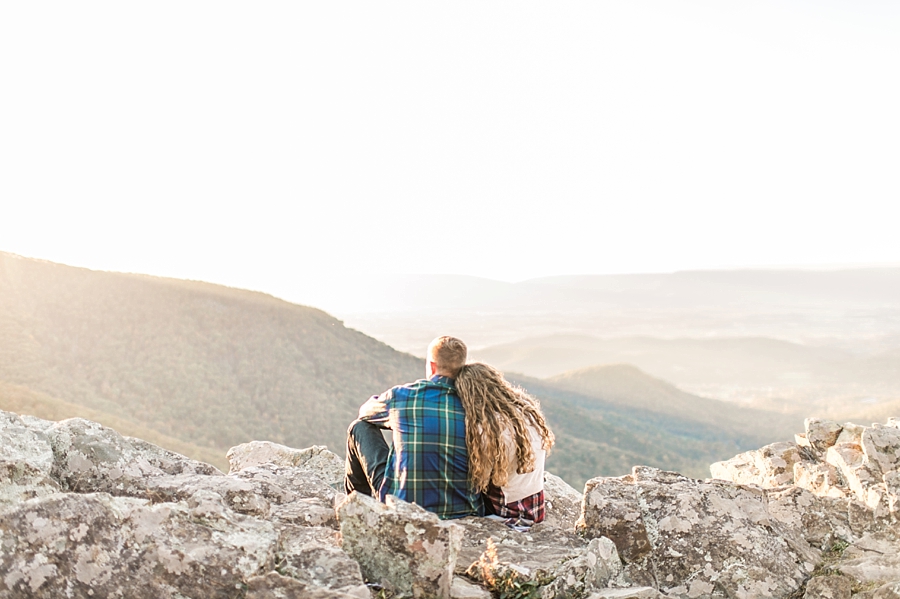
<point>448,354</point>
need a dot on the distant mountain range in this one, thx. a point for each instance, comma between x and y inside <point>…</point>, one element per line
<point>797,341</point>
<point>735,361</point>
<point>851,309</point>
<point>199,368</point>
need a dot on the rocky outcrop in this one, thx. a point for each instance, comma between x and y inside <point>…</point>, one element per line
<point>689,538</point>
<point>94,545</point>
<point>407,549</point>
<point>831,460</point>
<point>85,512</point>
<point>315,461</point>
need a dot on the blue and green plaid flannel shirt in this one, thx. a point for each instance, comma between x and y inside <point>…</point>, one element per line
<point>428,463</point>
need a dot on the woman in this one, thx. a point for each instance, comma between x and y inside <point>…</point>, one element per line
<point>507,438</point>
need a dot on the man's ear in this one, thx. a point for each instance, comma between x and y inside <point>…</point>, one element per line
<point>432,367</point>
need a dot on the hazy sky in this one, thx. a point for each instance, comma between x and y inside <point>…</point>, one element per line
<point>257,143</point>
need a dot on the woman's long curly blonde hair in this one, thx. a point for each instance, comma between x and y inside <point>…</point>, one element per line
<point>493,406</point>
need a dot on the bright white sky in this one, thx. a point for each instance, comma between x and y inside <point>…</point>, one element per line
<point>259,143</point>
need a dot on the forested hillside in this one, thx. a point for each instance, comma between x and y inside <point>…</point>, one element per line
<point>202,363</point>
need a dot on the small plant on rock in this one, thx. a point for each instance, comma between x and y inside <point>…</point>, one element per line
<point>502,581</point>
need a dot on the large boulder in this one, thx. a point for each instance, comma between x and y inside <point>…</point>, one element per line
<point>770,466</point>
<point>314,461</point>
<point>563,503</point>
<point>90,458</point>
<point>26,461</point>
<point>400,545</point>
<point>24,443</point>
<point>693,538</point>
<point>73,545</point>
<point>821,433</point>
<point>312,555</point>
<point>275,586</point>
<point>535,554</point>
<point>831,460</point>
<point>828,587</point>
<point>872,560</point>
<point>279,494</point>
<point>598,567</point>
<point>821,521</point>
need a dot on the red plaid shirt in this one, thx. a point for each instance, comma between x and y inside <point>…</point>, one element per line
<point>525,512</point>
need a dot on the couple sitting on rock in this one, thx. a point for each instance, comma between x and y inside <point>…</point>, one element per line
<point>465,442</point>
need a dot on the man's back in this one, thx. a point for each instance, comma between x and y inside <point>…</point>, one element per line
<point>428,462</point>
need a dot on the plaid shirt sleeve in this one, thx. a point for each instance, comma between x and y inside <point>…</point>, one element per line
<point>377,408</point>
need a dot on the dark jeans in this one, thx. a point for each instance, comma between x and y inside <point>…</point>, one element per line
<point>367,454</point>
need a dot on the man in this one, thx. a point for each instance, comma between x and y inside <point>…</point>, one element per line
<point>428,462</point>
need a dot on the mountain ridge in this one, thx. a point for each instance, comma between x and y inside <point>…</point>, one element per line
<point>214,367</point>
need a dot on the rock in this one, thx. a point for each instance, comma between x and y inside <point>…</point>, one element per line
<point>613,512</point>
<point>828,587</point>
<point>850,433</point>
<point>769,467</point>
<point>461,588</point>
<point>492,550</point>
<point>819,478</point>
<point>875,558</point>
<point>821,521</point>
<point>890,590</point>
<point>696,536</point>
<point>400,545</point>
<point>562,501</point>
<point>278,494</point>
<point>850,462</point>
<point>312,555</point>
<point>22,481</point>
<point>90,458</point>
<point>881,446</point>
<point>598,567</point>
<point>24,443</point>
<point>740,469</point>
<point>26,461</point>
<point>69,545</point>
<point>821,433</point>
<point>297,481</point>
<point>627,593</point>
<point>275,586</point>
<point>315,460</point>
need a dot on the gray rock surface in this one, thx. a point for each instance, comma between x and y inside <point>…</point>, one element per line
<point>315,460</point>
<point>889,590</point>
<point>875,558</point>
<point>832,460</point>
<point>692,538</point>
<point>400,545</point>
<point>85,512</point>
<point>770,466</point>
<point>73,545</point>
<point>629,593</point>
<point>821,434</point>
<point>563,503</point>
<point>597,567</point>
<point>461,588</point>
<point>26,461</point>
<point>90,458</point>
<point>828,587</point>
<point>312,555</point>
<point>275,586</point>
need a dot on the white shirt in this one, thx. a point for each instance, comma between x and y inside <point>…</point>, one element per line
<point>520,486</point>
